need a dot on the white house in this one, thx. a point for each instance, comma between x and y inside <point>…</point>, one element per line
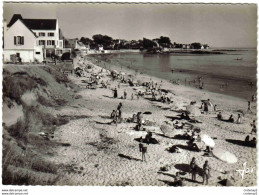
<point>31,39</point>
<point>75,44</point>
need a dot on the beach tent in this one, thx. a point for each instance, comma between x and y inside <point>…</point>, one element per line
<point>193,110</point>
<point>208,141</point>
<point>224,155</point>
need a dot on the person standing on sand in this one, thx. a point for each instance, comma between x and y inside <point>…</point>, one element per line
<point>253,127</point>
<point>115,93</point>
<point>125,94</point>
<point>206,172</point>
<point>249,106</point>
<point>143,150</point>
<point>193,168</point>
<point>239,119</point>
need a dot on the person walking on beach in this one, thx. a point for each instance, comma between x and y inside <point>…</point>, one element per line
<point>115,93</point>
<point>249,106</point>
<point>143,150</point>
<point>239,119</point>
<point>193,169</point>
<point>125,94</point>
<point>253,127</point>
<point>206,172</point>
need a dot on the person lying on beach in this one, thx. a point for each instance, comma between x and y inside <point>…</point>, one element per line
<point>178,125</point>
<point>251,143</point>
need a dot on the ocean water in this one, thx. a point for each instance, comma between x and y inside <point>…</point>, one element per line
<point>221,73</point>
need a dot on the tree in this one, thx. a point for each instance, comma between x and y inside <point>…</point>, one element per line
<point>148,44</point>
<point>196,45</point>
<point>86,40</point>
<point>164,41</point>
<point>104,40</point>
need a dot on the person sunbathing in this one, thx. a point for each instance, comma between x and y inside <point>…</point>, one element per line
<point>178,125</point>
<point>192,145</point>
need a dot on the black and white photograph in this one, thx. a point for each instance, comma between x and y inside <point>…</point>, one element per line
<point>129,94</point>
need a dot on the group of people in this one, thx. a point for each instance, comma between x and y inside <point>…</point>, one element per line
<point>205,171</point>
<point>230,119</point>
<point>116,115</point>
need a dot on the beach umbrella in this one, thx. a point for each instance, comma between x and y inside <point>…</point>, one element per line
<point>224,155</point>
<point>208,141</point>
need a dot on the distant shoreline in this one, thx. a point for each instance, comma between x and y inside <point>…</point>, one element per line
<point>176,51</point>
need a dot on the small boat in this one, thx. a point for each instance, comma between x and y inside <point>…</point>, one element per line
<point>239,59</point>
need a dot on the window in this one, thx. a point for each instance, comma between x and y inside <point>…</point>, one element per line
<point>41,42</point>
<point>37,52</point>
<point>51,34</point>
<point>50,42</point>
<point>41,34</point>
<point>18,40</point>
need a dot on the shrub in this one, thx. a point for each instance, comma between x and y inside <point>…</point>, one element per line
<point>66,56</point>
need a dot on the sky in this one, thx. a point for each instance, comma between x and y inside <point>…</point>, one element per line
<point>229,25</point>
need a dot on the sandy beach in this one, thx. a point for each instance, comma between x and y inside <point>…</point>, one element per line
<point>101,153</point>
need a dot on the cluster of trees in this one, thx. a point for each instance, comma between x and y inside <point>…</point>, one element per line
<point>109,43</point>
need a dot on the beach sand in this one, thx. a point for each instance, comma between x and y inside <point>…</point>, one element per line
<point>100,153</point>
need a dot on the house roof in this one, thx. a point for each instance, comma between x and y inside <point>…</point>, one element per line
<point>19,17</point>
<point>35,24</point>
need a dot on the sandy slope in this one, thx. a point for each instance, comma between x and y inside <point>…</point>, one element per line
<point>104,154</point>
